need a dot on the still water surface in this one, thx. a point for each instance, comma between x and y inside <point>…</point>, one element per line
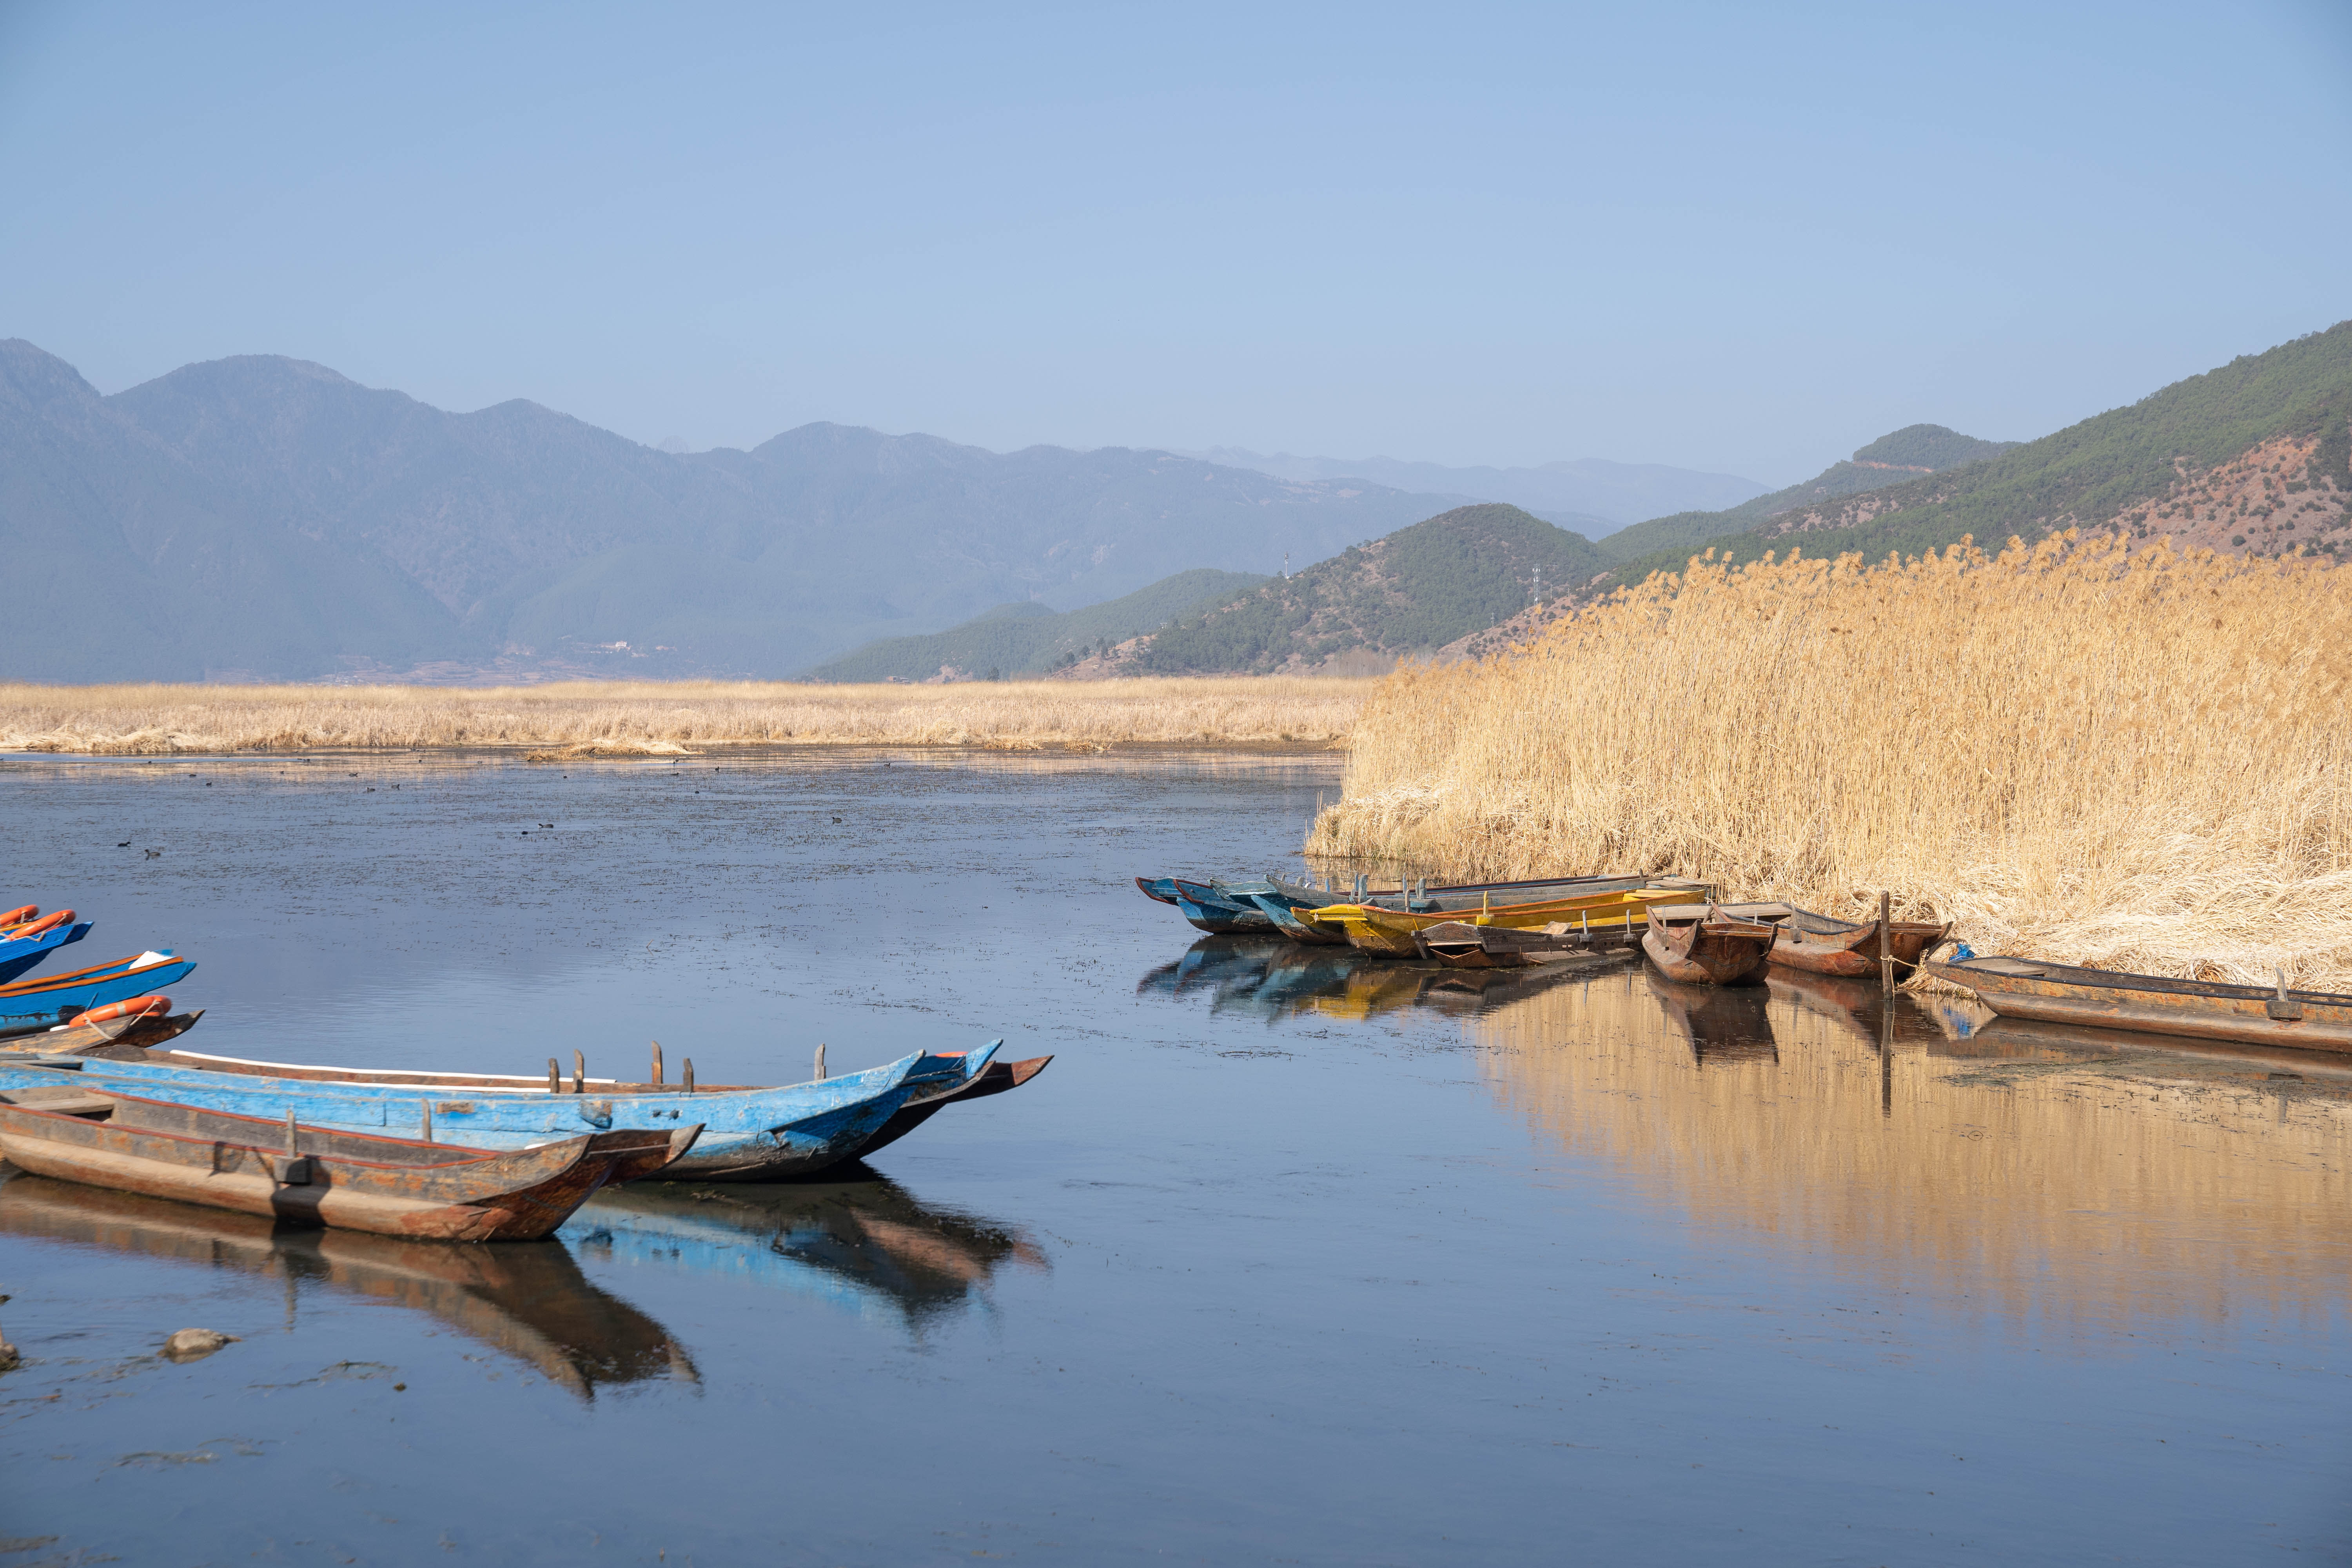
<point>1287,1257</point>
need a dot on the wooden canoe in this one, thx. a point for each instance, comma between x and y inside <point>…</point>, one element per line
<point>2150,1004</point>
<point>750,1132</point>
<point>350,1181</point>
<point>1373,929</point>
<point>1211,908</point>
<point>997,1078</point>
<point>1828,946</point>
<point>29,1007</point>
<point>134,1037</point>
<point>530,1302</point>
<point>25,945</point>
<point>1697,944</point>
<point>1456,897</point>
<point>1462,945</point>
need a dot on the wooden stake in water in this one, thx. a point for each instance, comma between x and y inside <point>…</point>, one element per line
<point>579,1073</point>
<point>1885,944</point>
<point>554,1076</point>
<point>657,1062</point>
<point>689,1074</point>
<point>820,1061</point>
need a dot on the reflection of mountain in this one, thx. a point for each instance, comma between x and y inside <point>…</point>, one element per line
<point>526,1299</point>
<point>2044,1183</point>
<point>864,1243</point>
<point>1278,979</point>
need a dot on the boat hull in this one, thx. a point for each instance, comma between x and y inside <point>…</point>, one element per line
<point>239,1164</point>
<point>1852,949</point>
<point>2152,1005</point>
<point>31,1006</point>
<point>1392,932</point>
<point>1710,951</point>
<point>19,954</point>
<point>749,1134</point>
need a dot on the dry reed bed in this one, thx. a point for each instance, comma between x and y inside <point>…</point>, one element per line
<point>658,717</point>
<point>2137,762</point>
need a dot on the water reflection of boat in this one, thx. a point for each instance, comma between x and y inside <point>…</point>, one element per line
<point>528,1300</point>
<point>1279,980</point>
<point>866,1243</point>
<point>1721,1023</point>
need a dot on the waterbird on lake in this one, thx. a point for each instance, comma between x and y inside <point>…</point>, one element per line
<point>155,854</point>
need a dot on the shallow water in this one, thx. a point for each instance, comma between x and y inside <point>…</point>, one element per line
<point>1285,1258</point>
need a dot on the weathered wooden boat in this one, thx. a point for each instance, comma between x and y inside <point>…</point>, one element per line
<point>1160,890</point>
<point>79,1131</point>
<point>1297,921</point>
<point>1373,929</point>
<point>1420,897</point>
<point>140,1028</point>
<point>1463,944</point>
<point>530,1302</point>
<point>749,1133</point>
<point>24,943</point>
<point>29,1005</point>
<point>2276,1017</point>
<point>1210,909</point>
<point>929,1100</point>
<point>1700,944</point>
<point>1829,946</point>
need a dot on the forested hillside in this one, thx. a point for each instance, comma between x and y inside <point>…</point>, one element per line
<point>2252,458</point>
<point>1893,459</point>
<point>1411,592</point>
<point>1028,638</point>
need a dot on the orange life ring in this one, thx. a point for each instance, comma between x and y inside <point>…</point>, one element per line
<point>45,924</point>
<point>20,916</point>
<point>131,1008</point>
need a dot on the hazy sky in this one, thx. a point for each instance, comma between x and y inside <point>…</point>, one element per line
<point>1726,237</point>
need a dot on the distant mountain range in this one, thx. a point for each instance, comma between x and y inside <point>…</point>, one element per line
<point>1590,496</point>
<point>266,518</point>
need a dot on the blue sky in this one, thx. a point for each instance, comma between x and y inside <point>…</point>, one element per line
<point>1725,236</point>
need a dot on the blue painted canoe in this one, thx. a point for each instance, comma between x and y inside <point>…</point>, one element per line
<point>26,1005</point>
<point>748,1133</point>
<point>18,953</point>
<point>1212,910</point>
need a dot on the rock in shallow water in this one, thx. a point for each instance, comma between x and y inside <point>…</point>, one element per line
<point>195,1344</point>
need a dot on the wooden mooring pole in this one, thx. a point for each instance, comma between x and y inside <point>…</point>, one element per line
<point>1887,943</point>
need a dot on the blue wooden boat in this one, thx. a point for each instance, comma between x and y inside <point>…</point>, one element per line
<point>26,1005</point>
<point>1211,909</point>
<point>748,1133</point>
<point>1161,890</point>
<point>22,946</point>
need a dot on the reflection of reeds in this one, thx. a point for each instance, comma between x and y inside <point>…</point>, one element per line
<point>2138,763</point>
<point>646,718</point>
<point>2059,1194</point>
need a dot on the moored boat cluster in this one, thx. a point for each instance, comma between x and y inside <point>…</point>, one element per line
<point>94,1089</point>
<point>1691,937</point>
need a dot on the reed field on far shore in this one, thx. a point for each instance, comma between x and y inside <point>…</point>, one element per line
<point>648,718</point>
<point>2134,761</point>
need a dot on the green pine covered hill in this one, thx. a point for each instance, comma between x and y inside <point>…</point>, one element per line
<point>1027,638</point>
<point>1895,458</point>
<point>2255,457</point>
<point>1410,592</point>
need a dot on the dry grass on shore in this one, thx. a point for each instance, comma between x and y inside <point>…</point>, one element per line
<point>2134,761</point>
<point>614,718</point>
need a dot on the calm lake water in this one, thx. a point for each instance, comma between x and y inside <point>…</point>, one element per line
<point>1286,1258</point>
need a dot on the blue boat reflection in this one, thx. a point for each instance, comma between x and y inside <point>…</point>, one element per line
<point>1281,979</point>
<point>863,1244</point>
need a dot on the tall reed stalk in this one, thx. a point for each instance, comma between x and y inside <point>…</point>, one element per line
<point>2131,761</point>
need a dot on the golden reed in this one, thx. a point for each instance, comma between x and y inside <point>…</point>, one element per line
<point>2136,761</point>
<point>658,717</point>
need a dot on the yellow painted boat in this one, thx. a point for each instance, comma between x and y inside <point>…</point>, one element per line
<point>1371,929</point>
